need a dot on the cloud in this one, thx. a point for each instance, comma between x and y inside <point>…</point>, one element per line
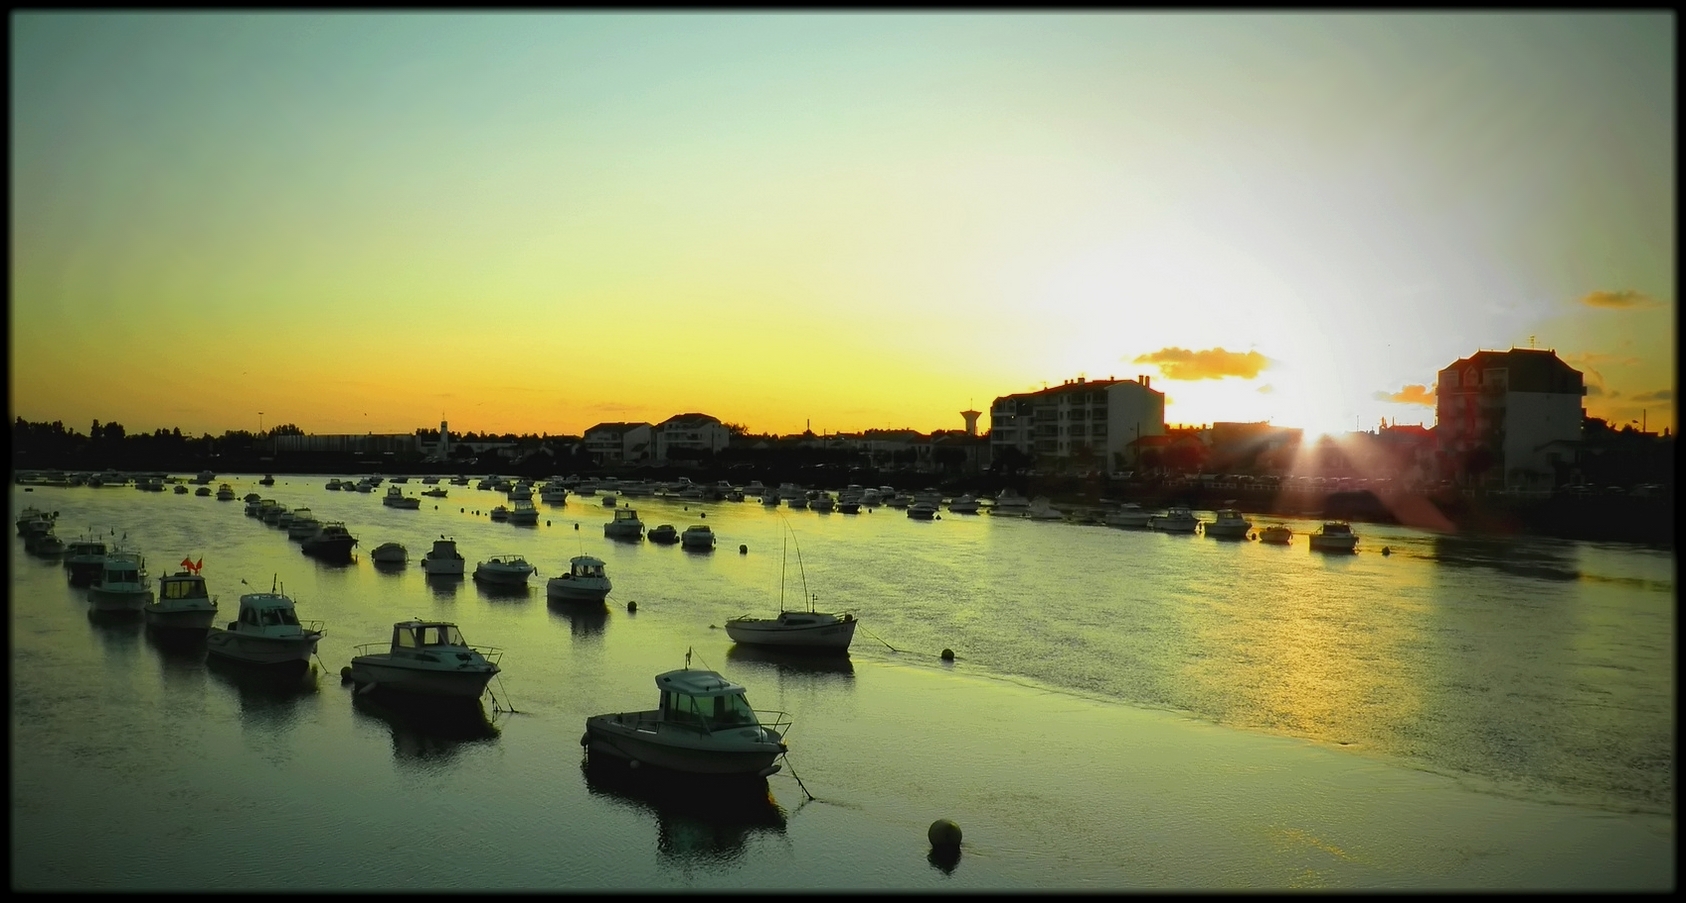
<point>1593,390</point>
<point>1423,395</point>
<point>1214,363</point>
<point>1659,395</point>
<point>1622,300</point>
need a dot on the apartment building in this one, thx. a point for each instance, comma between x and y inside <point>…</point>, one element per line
<point>1079,424</point>
<point>1509,418</point>
<point>618,443</point>
<point>690,435</point>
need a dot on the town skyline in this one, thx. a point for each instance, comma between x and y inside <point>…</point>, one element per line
<point>534,223</point>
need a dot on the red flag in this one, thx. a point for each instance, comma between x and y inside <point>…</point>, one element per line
<point>198,564</point>
<point>187,563</point>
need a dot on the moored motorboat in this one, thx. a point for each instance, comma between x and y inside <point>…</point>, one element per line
<point>922,511</point>
<point>1176,519</point>
<point>1334,536</point>
<point>183,604</point>
<point>1230,524</point>
<point>390,553</point>
<point>965,504</point>
<point>1277,534</point>
<point>586,581</point>
<point>83,559</point>
<point>504,570</point>
<point>523,514</point>
<point>1041,508</point>
<point>665,534</point>
<point>437,492</point>
<point>1010,504</point>
<point>703,724</point>
<point>443,560</point>
<point>225,493</point>
<point>425,658</point>
<point>499,513</point>
<point>625,525</point>
<point>395,498</point>
<point>697,538</point>
<point>1128,514</point>
<point>204,491</point>
<point>331,542</point>
<point>180,489</point>
<point>267,632</point>
<point>304,524</point>
<point>122,584</point>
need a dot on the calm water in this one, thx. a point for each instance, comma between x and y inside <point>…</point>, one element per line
<point>1125,709</point>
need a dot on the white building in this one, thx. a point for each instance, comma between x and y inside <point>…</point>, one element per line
<point>1511,418</point>
<point>1078,423</point>
<point>618,443</point>
<point>697,433</point>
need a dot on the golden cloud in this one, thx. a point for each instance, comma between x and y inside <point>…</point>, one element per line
<point>1622,300</point>
<point>1423,395</point>
<point>1213,363</point>
<point>1659,395</point>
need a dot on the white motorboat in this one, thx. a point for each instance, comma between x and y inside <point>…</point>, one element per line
<point>703,725</point>
<point>1334,536</point>
<point>664,534</point>
<point>504,570</point>
<point>225,493</point>
<point>520,491</point>
<point>267,632</point>
<point>390,553</point>
<point>585,581</point>
<point>625,525</point>
<point>1230,524</point>
<point>425,658</point>
<point>1042,509</point>
<point>122,584</point>
<point>553,493</point>
<point>1176,519</point>
<point>1010,504</point>
<point>524,514</point>
<point>304,524</point>
<point>30,516</point>
<point>1129,515</point>
<point>183,604</point>
<point>274,512</point>
<point>395,498</point>
<point>697,538</point>
<point>1277,534</point>
<point>443,560</point>
<point>965,504</point>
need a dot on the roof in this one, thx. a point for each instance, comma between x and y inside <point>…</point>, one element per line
<point>697,683</point>
<point>678,419</point>
<point>586,559</point>
<point>614,428</point>
<point>267,600</point>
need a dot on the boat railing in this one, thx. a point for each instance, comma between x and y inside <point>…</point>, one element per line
<point>774,719</point>
<point>490,653</point>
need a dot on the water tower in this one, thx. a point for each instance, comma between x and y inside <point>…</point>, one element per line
<point>971,421</point>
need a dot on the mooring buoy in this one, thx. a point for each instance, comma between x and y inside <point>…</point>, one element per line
<point>944,834</point>
<point>632,606</point>
<point>345,674</point>
<point>743,549</point>
<point>948,655</point>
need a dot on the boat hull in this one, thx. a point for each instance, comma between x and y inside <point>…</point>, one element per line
<point>573,591</point>
<point>118,600</point>
<point>197,620</point>
<point>1345,545</point>
<point>829,637</point>
<point>258,650</point>
<point>330,550</point>
<point>442,567</point>
<point>648,743</point>
<point>1227,532</point>
<point>380,671</point>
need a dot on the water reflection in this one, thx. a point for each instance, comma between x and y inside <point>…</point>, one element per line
<point>389,567</point>
<point>700,819</point>
<point>791,663</point>
<point>268,694</point>
<point>178,646</point>
<point>444,586</point>
<point>585,619</point>
<point>425,729</point>
<point>1541,559</point>
<point>504,592</point>
<point>118,633</point>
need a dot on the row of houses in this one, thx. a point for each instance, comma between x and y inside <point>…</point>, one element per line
<point>1511,419</point>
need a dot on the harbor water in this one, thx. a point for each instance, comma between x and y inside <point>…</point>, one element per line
<point>1124,710</point>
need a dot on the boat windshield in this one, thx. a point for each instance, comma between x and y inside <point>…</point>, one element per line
<point>707,712</point>
<point>430,635</point>
<point>184,589</point>
<point>270,617</point>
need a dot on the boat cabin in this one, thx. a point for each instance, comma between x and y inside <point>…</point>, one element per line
<point>415,636</point>
<point>121,567</point>
<point>444,548</point>
<point>182,585</point>
<point>268,614</point>
<point>703,699</point>
<point>626,516</point>
<point>91,548</point>
<point>586,566</point>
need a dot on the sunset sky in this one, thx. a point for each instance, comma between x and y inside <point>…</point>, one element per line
<point>535,222</point>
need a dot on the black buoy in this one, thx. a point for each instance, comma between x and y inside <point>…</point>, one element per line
<point>944,834</point>
<point>547,521</point>
<point>632,606</point>
<point>1386,550</point>
<point>345,674</point>
<point>743,549</point>
<point>948,655</point>
<point>576,526</point>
